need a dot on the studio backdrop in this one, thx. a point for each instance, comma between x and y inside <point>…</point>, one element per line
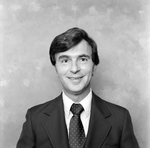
<point>120,29</point>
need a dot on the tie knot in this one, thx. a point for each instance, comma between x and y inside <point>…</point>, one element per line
<point>76,109</point>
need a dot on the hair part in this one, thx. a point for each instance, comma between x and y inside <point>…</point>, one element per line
<point>69,39</point>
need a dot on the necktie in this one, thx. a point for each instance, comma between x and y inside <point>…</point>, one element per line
<point>76,130</point>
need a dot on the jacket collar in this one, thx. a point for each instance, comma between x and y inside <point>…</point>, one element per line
<point>98,127</point>
<point>55,125</point>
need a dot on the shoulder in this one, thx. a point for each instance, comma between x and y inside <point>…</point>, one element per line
<point>115,114</point>
<point>45,107</point>
<point>114,109</point>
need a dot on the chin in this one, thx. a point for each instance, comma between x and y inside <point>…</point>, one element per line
<point>78,91</point>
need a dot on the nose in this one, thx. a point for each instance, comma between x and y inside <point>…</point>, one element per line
<point>74,67</point>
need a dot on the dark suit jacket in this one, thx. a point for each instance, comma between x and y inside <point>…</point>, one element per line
<point>110,126</point>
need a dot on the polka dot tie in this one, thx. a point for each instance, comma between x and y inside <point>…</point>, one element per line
<point>76,130</point>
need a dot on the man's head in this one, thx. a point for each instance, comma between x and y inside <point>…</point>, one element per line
<point>75,58</point>
<point>69,39</point>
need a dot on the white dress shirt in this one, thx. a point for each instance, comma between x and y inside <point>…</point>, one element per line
<point>85,115</point>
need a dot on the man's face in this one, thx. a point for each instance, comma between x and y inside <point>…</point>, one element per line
<point>75,68</point>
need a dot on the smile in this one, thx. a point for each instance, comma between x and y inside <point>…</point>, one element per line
<point>75,78</point>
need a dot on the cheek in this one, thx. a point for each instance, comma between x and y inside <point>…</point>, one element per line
<point>88,69</point>
<point>61,70</point>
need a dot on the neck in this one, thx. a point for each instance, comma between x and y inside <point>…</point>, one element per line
<point>77,96</point>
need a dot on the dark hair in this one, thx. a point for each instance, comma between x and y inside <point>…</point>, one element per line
<point>69,39</point>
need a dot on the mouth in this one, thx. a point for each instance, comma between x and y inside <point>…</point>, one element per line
<point>75,78</point>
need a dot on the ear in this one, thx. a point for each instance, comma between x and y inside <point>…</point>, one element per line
<point>56,69</point>
<point>94,69</point>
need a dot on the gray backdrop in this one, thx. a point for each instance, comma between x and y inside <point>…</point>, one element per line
<point>120,28</point>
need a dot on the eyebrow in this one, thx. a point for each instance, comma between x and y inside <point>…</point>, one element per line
<point>84,55</point>
<point>63,57</point>
<point>66,56</point>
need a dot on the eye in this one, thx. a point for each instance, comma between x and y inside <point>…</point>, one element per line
<point>83,59</point>
<point>65,61</point>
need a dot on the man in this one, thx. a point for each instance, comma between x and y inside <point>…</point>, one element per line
<point>77,117</point>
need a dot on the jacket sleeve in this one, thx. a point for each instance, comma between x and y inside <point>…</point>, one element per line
<point>27,138</point>
<point>128,139</point>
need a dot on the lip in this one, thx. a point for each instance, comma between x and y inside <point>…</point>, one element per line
<point>75,78</point>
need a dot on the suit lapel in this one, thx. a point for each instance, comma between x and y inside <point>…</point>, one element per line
<point>55,125</point>
<point>98,127</point>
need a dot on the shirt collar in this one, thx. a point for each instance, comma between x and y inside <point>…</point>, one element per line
<point>86,103</point>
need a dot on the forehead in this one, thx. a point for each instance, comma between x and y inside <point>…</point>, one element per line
<point>83,48</point>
